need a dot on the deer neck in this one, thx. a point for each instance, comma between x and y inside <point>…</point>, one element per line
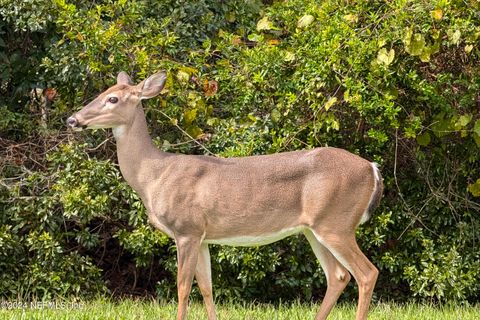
<point>136,151</point>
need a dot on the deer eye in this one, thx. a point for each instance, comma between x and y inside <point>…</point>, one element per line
<point>113,99</point>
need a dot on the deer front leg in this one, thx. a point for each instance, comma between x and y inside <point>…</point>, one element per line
<point>187,255</point>
<point>204,280</point>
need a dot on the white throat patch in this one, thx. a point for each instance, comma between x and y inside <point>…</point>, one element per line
<point>118,132</point>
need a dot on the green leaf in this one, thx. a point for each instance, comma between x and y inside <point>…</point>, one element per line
<point>289,56</point>
<point>476,133</point>
<point>390,93</point>
<point>474,188</point>
<point>407,36</point>
<point>417,44</point>
<point>252,117</point>
<point>477,139</point>
<point>190,116</point>
<point>476,128</point>
<point>424,139</point>
<point>194,130</point>
<point>385,57</point>
<point>255,37</point>
<point>330,103</point>
<point>463,121</point>
<point>441,127</point>
<point>425,56</point>
<point>429,50</point>
<point>276,115</point>
<point>437,14</point>
<point>305,21</point>
<point>352,18</point>
<point>454,36</point>
<point>265,24</point>
<point>183,76</point>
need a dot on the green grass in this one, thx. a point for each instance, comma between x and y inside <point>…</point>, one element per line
<point>138,310</point>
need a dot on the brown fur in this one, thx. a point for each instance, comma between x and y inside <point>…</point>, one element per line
<point>197,200</point>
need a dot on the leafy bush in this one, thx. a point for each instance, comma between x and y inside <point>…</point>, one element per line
<point>393,81</point>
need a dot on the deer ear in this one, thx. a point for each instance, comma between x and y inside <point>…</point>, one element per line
<point>124,78</point>
<point>152,86</point>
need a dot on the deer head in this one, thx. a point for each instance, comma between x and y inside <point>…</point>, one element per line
<point>116,106</point>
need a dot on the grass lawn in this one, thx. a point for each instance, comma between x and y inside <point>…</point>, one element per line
<point>138,310</point>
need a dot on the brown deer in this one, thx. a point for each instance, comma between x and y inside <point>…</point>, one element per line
<point>324,193</point>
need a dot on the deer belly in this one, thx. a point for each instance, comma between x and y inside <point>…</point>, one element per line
<point>256,240</point>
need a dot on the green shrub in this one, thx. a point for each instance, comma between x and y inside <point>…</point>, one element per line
<point>394,81</point>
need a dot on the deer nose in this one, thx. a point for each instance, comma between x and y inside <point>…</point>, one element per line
<point>72,122</point>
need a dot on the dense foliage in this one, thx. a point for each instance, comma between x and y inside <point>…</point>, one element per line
<point>396,82</point>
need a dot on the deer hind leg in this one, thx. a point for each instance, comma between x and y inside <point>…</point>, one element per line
<point>187,256</point>
<point>345,249</point>
<point>337,275</point>
<point>203,274</point>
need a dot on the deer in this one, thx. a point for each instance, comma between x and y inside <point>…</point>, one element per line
<point>324,193</point>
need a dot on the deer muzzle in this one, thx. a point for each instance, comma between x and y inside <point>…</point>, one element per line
<point>74,124</point>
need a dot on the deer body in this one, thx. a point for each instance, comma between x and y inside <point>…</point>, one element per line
<point>324,193</point>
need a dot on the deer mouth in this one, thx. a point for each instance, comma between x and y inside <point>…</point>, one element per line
<point>73,124</point>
